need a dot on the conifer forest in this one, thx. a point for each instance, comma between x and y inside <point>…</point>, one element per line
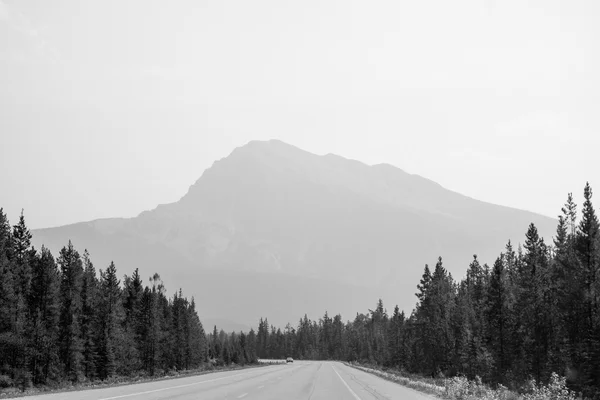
<point>533,312</point>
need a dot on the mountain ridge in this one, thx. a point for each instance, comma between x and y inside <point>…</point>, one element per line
<point>271,208</point>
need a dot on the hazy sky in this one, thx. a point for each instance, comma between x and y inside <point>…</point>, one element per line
<point>108,108</point>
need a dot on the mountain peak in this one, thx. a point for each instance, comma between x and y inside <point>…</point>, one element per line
<point>270,145</point>
<point>272,208</point>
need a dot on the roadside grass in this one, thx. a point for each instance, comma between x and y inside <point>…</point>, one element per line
<point>460,388</point>
<point>425,385</point>
<point>271,361</point>
<point>14,392</point>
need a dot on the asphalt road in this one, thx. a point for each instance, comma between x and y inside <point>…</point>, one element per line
<point>301,380</point>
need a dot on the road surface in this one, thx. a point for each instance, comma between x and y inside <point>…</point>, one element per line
<point>307,380</point>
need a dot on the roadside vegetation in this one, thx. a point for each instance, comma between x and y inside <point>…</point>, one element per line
<point>461,388</point>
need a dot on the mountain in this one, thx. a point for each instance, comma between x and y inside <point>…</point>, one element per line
<point>275,231</point>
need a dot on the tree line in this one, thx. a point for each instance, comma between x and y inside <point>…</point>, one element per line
<point>535,311</point>
<point>61,320</point>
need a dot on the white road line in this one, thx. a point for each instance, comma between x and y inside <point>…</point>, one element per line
<point>242,395</point>
<point>261,386</point>
<point>172,387</point>
<point>345,384</point>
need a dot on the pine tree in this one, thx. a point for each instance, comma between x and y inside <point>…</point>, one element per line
<point>44,313</point>
<point>433,316</point>
<point>133,292</point>
<point>215,346</point>
<point>178,331</point>
<point>197,337</point>
<point>424,284</point>
<point>498,315</point>
<point>533,300</point>
<point>88,320</point>
<point>252,345</point>
<point>325,333</point>
<point>570,215</point>
<point>395,336</point>
<point>22,253</point>
<point>338,340</point>
<point>7,296</point>
<point>152,322</point>
<point>378,328</point>
<point>588,252</point>
<point>70,347</point>
<point>461,323</point>
<point>110,334</point>
<point>22,250</point>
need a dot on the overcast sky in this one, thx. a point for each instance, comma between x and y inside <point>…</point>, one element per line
<point>108,108</point>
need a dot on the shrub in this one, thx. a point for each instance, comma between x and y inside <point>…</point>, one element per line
<point>23,379</point>
<point>460,388</point>
<point>556,390</point>
<point>5,381</point>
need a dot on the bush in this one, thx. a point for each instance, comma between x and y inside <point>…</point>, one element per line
<point>460,388</point>
<point>5,381</point>
<point>23,379</point>
<point>556,390</point>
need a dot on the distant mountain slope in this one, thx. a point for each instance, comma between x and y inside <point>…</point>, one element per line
<point>270,214</point>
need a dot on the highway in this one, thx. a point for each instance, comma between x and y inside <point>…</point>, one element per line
<point>306,380</point>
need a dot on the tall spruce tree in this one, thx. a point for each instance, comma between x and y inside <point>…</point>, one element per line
<point>70,346</point>
<point>88,318</point>
<point>395,334</point>
<point>498,317</point>
<point>7,297</point>
<point>21,266</point>
<point>111,314</point>
<point>588,252</point>
<point>44,314</point>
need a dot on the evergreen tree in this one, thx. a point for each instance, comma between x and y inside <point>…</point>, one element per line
<point>338,340</point>
<point>21,327</point>
<point>21,239</point>
<point>88,320</point>
<point>424,284</point>
<point>179,331</point>
<point>396,342</point>
<point>70,347</point>
<point>44,314</point>
<point>197,337</point>
<point>498,317</point>
<point>588,252</point>
<point>133,328</point>
<point>7,297</point>
<point>251,347</point>
<point>534,298</point>
<point>378,328</point>
<point>110,335</point>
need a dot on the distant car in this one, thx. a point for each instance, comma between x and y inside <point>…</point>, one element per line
<point>289,360</point>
